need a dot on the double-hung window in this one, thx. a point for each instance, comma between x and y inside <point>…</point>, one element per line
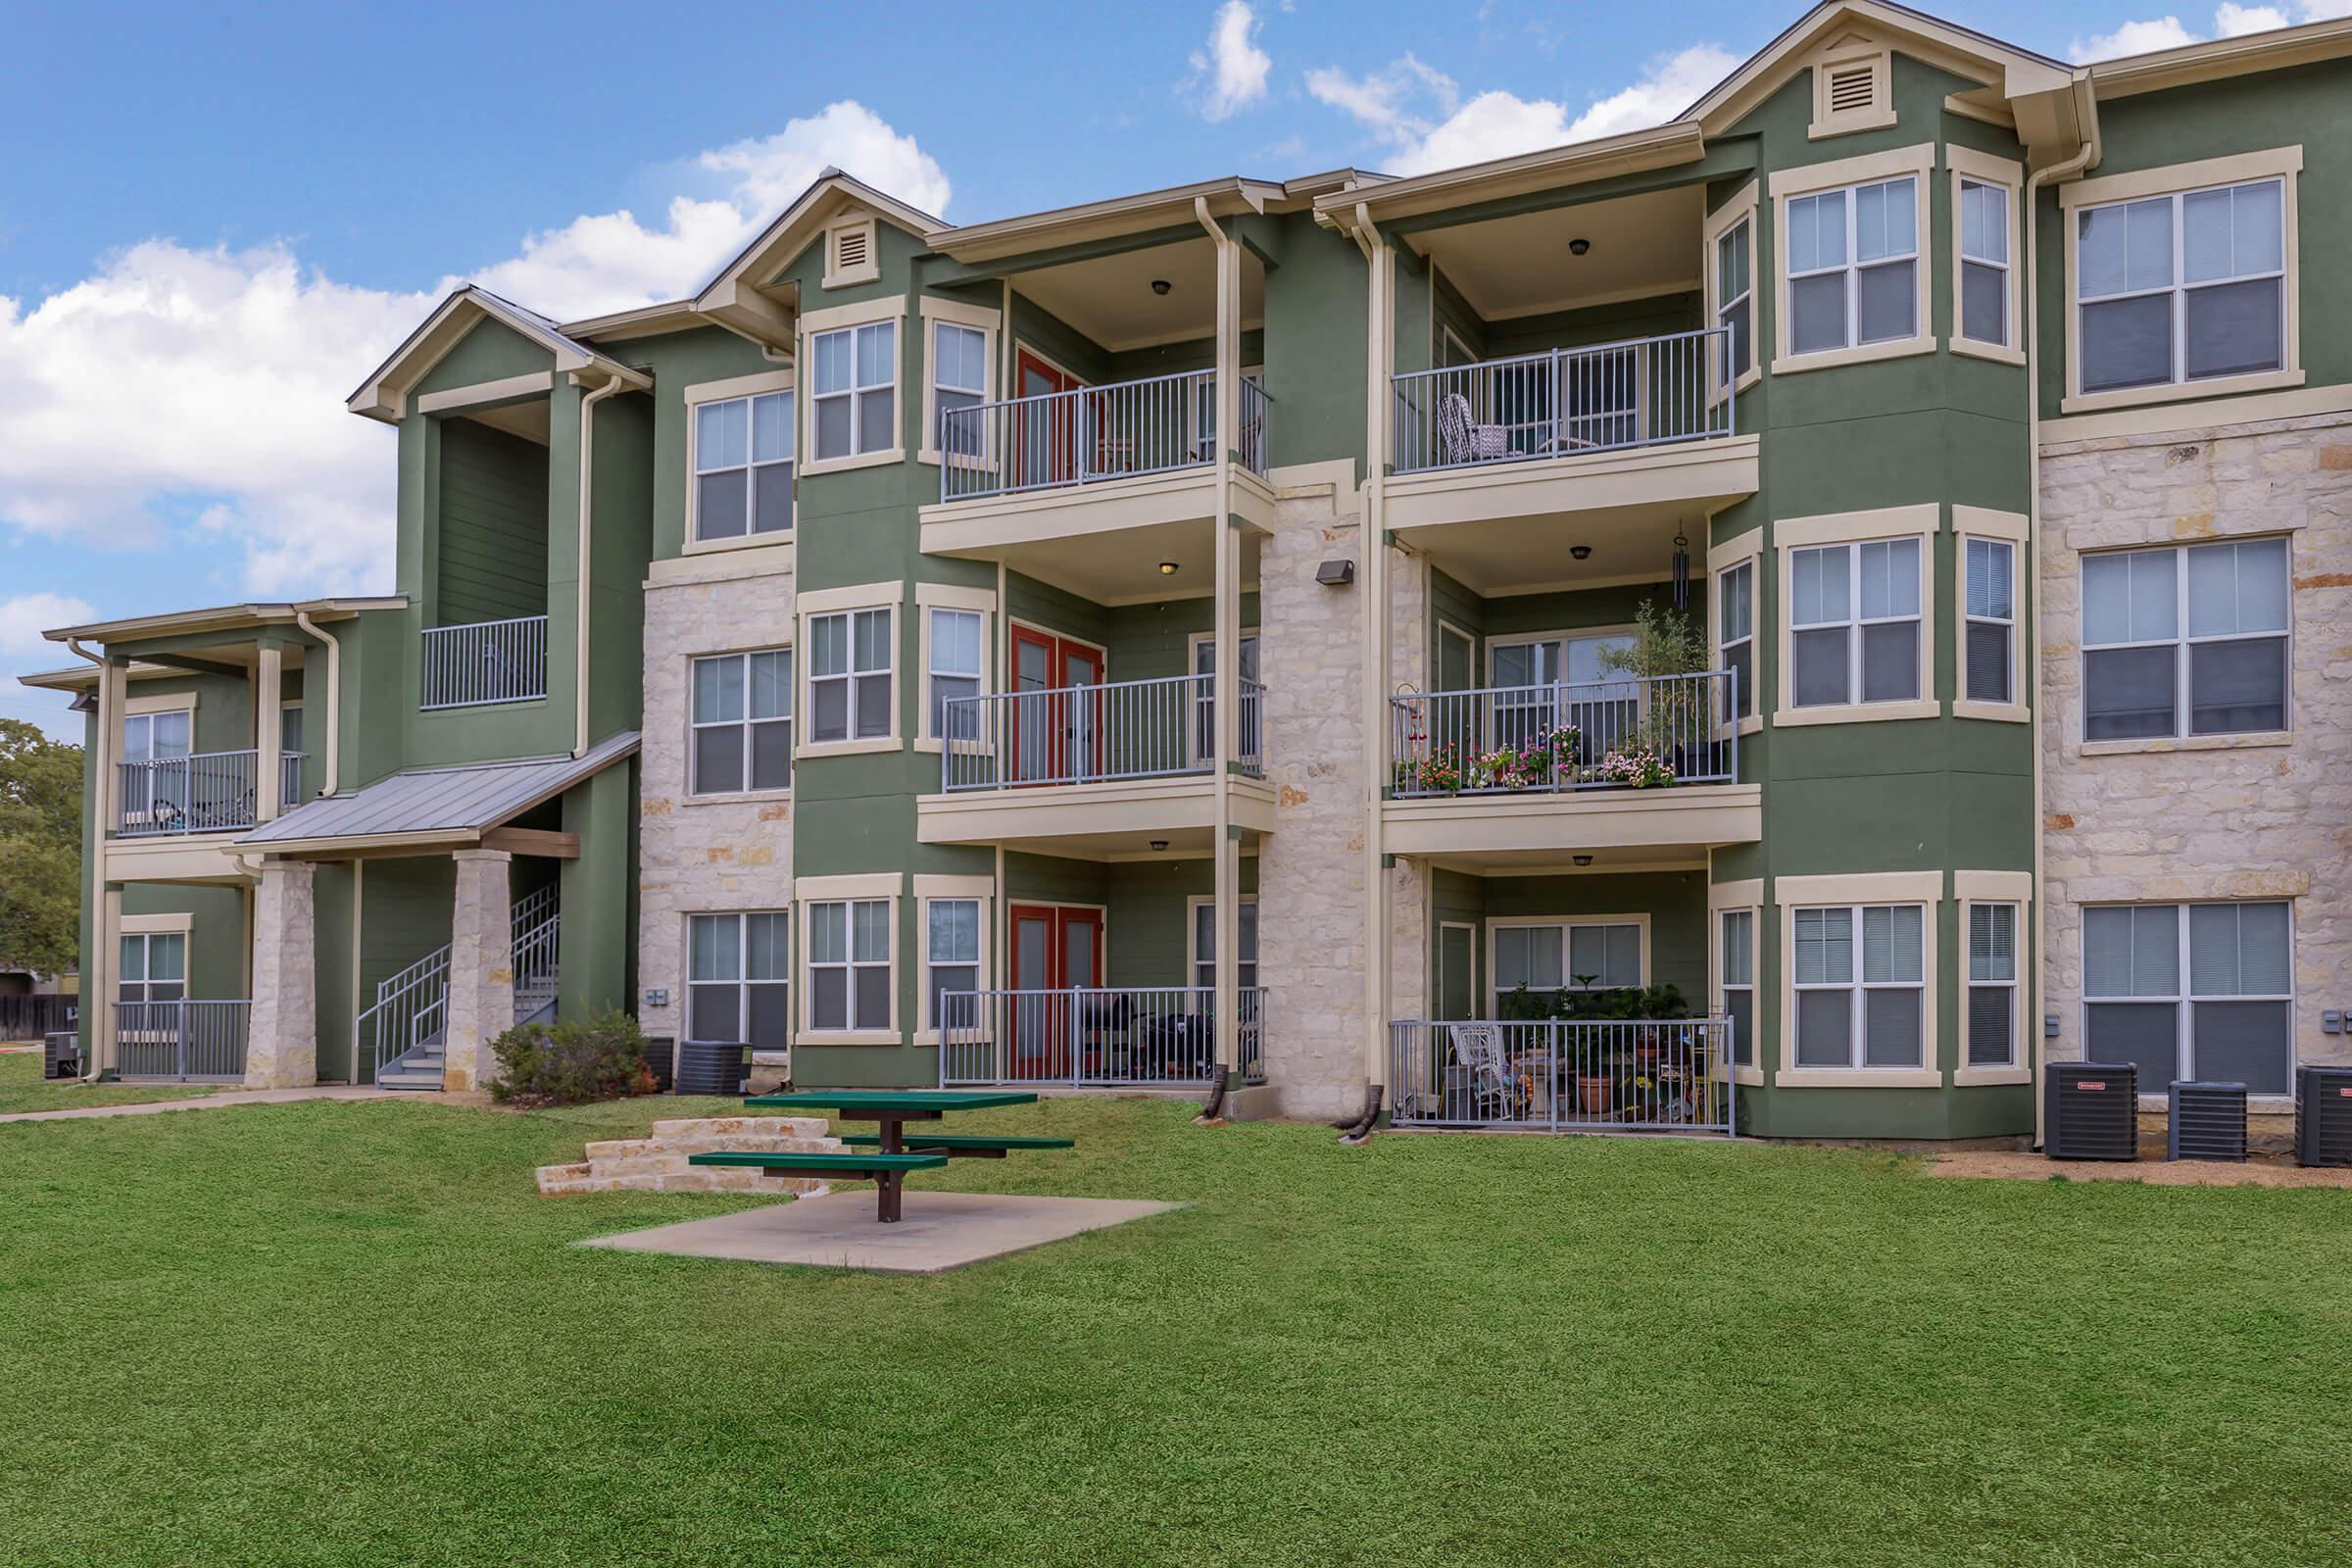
<point>955,637</point>
<point>1854,623</point>
<point>1205,946</point>
<point>739,979</point>
<point>951,956</point>
<point>1853,265</point>
<point>1985,263</point>
<point>1991,614</point>
<point>154,967</point>
<point>2200,631</point>
<point>1993,985</point>
<point>1735,300</point>
<point>743,467</point>
<point>1737,964</point>
<point>1567,956</point>
<point>849,964</point>
<point>741,723</point>
<point>2191,990</point>
<point>849,676</point>
<point>958,380</point>
<point>1736,631</point>
<point>855,394</point>
<point>1866,1009</point>
<point>2182,289</point>
<point>158,790</point>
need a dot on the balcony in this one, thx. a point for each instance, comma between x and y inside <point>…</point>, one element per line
<point>1611,770</point>
<point>1504,469</point>
<point>1083,770</point>
<point>210,792</point>
<point>1152,1037</point>
<point>1576,1075</point>
<point>486,662</point>
<point>1094,434</point>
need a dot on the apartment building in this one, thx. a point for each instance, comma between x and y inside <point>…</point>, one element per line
<point>1787,620</point>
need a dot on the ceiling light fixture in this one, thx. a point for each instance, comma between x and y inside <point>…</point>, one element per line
<point>1159,844</point>
<point>1581,859</point>
<point>1580,552</point>
<point>1167,568</point>
<point>1160,286</point>
<point>1578,247</point>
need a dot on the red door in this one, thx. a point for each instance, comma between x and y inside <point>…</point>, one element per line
<point>1055,950</point>
<point>1045,448</point>
<point>1057,739</point>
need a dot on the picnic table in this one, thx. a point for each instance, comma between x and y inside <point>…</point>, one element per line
<point>894,1150</point>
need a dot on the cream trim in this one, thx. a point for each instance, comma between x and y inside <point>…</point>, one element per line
<point>833,319</point>
<point>2218,415</point>
<point>1994,887</point>
<point>1195,902</point>
<point>465,396</point>
<point>868,270</point>
<point>955,596</point>
<point>852,885</point>
<point>2016,889</point>
<point>1743,547</point>
<point>2014,530</point>
<point>1745,894</point>
<point>980,318</point>
<point>736,386</point>
<point>1790,892</point>
<point>1922,521</point>
<point>1859,887</point>
<point>161,703</point>
<point>1564,923</point>
<point>740,386</point>
<point>867,745</point>
<point>857,596</point>
<point>1740,898</point>
<point>1917,161</point>
<point>928,885</point>
<point>2221,58</point>
<point>1740,209</point>
<point>2283,163</point>
<point>1877,115</point>
<point>2252,740</point>
<point>928,890</point>
<point>1967,163</point>
<point>133,925</point>
<point>807,606</point>
<point>692,546</point>
<point>752,556</point>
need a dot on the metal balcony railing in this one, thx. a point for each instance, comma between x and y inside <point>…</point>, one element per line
<point>289,779</point>
<point>1087,734</point>
<point>1635,732</point>
<point>1118,432</point>
<point>487,661</point>
<point>181,1039</point>
<point>1158,1034</point>
<point>211,792</point>
<point>1671,1076</point>
<point>1641,392</point>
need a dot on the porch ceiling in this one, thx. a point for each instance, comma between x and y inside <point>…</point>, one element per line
<point>1520,265</point>
<point>1114,566</point>
<point>1110,299</point>
<point>1142,819</point>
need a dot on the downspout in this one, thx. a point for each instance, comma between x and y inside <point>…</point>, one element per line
<point>1225,682</point>
<point>334,698</point>
<point>1374,537</point>
<point>2087,111</point>
<point>580,669</point>
<point>103,811</point>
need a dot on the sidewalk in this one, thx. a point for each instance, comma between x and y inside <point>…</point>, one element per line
<point>223,1102</point>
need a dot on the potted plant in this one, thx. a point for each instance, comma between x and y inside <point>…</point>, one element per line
<point>1674,713</point>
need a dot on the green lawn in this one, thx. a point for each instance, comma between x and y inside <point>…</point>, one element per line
<point>349,1333</point>
<point>22,1088</point>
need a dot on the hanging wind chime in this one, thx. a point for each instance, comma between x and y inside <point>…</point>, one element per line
<point>1681,573</point>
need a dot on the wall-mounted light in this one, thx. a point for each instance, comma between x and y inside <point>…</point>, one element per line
<point>1580,552</point>
<point>1578,247</point>
<point>1336,573</point>
<point>1160,286</point>
<point>1167,568</point>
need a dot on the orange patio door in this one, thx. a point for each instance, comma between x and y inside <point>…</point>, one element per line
<point>1045,432</point>
<point>1056,737</point>
<point>1055,948</point>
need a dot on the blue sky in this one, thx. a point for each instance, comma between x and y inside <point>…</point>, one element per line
<point>215,223</point>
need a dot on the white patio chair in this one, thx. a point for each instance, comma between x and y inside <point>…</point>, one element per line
<point>1493,1084</point>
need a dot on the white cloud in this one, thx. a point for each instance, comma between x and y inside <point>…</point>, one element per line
<point>2230,20</point>
<point>1420,113</point>
<point>180,386</point>
<point>24,617</point>
<point>1235,67</point>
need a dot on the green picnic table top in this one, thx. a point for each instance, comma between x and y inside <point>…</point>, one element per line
<point>887,1100</point>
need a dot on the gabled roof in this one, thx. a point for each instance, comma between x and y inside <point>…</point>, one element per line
<point>222,618</point>
<point>436,805</point>
<point>733,298</point>
<point>382,394</point>
<point>2275,50</point>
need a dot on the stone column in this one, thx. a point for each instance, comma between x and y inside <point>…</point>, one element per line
<point>481,969</point>
<point>281,1045</point>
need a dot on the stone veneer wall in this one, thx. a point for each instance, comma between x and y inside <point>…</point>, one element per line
<point>1312,934</point>
<point>2216,817</point>
<point>724,853</point>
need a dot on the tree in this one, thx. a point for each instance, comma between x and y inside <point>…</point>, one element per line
<point>40,850</point>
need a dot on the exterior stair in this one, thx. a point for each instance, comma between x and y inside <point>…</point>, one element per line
<point>407,1026</point>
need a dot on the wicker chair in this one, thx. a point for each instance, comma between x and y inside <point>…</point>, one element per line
<point>1461,441</point>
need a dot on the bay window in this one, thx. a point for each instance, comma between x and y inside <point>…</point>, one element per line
<point>954,672</point>
<point>1991,1021</point>
<point>1735,300</point>
<point>1989,613</point>
<point>850,687</point>
<point>1866,1009</point>
<point>2198,991</point>
<point>1736,631</point>
<point>1736,962</point>
<point>849,964</point>
<point>1983,306</point>
<point>1854,623</point>
<point>856,390</point>
<point>2200,631</point>
<point>1852,270</point>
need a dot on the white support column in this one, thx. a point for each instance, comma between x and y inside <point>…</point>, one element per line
<point>1226,677</point>
<point>281,1042</point>
<point>267,731</point>
<point>481,967</point>
<point>1381,268</point>
<point>98,979</point>
<point>99,988</point>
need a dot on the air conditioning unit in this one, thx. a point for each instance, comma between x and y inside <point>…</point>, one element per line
<point>2207,1121</point>
<point>2090,1110</point>
<point>2323,1117</point>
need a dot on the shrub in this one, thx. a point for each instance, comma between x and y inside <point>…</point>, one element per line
<point>569,1063</point>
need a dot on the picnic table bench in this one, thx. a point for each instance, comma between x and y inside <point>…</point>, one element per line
<point>894,1153</point>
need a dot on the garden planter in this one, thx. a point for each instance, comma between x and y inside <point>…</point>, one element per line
<point>1595,1096</point>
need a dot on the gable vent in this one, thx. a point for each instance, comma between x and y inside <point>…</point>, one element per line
<point>1853,88</point>
<point>851,248</point>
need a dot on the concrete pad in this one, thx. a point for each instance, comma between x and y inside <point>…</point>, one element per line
<point>939,1231</point>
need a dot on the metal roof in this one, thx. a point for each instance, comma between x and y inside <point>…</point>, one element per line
<point>460,803</point>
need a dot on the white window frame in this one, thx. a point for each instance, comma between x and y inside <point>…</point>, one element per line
<point>1971,983</point>
<point>1858,988</point>
<point>934,729</point>
<point>1972,168</point>
<point>2014,530</point>
<point>1847,174</point>
<point>1856,890</point>
<point>1853,621</point>
<point>931,889</point>
<point>761,384</point>
<point>742,984</point>
<point>2185,995</point>
<point>2001,558</point>
<point>695,790</point>
<point>1741,896</point>
<point>145,719</point>
<point>751,467</point>
<point>851,318</point>
<point>930,596</point>
<point>1725,985</point>
<point>146,935</point>
<point>822,604</point>
<point>1924,522</point>
<point>2180,642</point>
<point>1563,924</point>
<point>848,893</point>
<point>2283,164</point>
<point>1745,570</point>
<point>1202,972</point>
<point>933,313</point>
<point>1723,221</point>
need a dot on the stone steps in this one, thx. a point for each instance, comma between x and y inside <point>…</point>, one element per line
<point>660,1161</point>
